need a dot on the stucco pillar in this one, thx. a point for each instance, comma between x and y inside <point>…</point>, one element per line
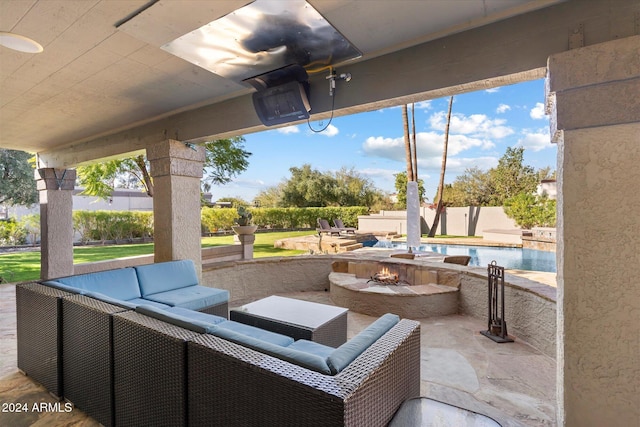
<point>247,241</point>
<point>594,94</point>
<point>55,187</point>
<point>413,215</point>
<point>176,170</point>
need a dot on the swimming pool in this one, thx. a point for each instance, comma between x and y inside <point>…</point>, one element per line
<point>514,258</point>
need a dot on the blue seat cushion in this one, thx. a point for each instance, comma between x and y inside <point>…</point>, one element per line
<point>257,333</point>
<point>141,301</point>
<point>312,347</point>
<point>192,297</point>
<point>166,276</point>
<point>300,358</point>
<point>196,315</point>
<point>342,356</point>
<point>196,325</point>
<point>119,284</point>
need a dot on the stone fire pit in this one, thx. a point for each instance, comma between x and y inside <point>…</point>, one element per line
<point>421,291</point>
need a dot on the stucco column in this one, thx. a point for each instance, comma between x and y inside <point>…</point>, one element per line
<point>176,170</point>
<point>594,94</point>
<point>55,187</point>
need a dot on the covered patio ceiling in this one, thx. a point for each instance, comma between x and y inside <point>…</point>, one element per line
<point>104,86</point>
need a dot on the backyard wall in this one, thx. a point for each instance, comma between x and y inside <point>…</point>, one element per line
<point>530,306</point>
<point>122,200</point>
<point>462,221</point>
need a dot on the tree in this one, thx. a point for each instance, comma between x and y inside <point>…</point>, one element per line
<point>407,145</point>
<point>401,190</point>
<point>224,158</point>
<point>436,219</point>
<point>493,187</point>
<point>512,177</point>
<point>269,197</point>
<point>352,189</point>
<point>473,188</point>
<point>17,183</point>
<point>309,187</point>
<point>529,210</point>
<point>100,179</point>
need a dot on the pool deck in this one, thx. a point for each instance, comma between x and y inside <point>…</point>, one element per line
<point>536,276</point>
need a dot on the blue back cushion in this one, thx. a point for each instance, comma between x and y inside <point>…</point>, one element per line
<point>300,358</point>
<point>183,319</point>
<point>347,352</point>
<point>257,333</point>
<point>166,276</point>
<point>110,300</point>
<point>120,284</point>
<point>63,287</point>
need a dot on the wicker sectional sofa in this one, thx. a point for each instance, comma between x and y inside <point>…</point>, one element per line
<point>155,365</point>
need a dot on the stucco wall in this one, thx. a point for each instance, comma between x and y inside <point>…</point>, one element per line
<point>260,277</point>
<point>463,221</point>
<point>530,306</point>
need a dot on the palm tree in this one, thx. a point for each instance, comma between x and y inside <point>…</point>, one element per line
<point>436,219</point>
<point>407,144</point>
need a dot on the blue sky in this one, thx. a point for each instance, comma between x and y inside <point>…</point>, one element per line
<point>483,125</point>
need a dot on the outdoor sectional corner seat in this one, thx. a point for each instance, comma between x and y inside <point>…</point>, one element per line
<point>165,284</point>
<point>129,359</point>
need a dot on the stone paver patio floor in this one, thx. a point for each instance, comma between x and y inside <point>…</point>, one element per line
<point>512,383</point>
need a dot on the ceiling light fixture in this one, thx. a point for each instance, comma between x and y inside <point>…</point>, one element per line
<point>19,43</point>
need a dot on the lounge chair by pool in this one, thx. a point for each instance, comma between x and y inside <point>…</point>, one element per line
<point>340,226</point>
<point>325,228</point>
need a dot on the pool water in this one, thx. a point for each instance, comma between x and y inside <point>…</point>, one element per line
<point>481,256</point>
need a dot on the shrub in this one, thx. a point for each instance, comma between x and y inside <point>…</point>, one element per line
<point>305,217</point>
<point>214,219</point>
<point>112,225</point>
<point>31,224</point>
<point>528,210</point>
<point>12,233</point>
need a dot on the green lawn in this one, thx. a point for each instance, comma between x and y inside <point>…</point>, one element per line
<point>22,266</point>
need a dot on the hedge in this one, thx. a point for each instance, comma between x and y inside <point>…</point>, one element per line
<point>125,225</point>
<point>112,225</point>
<point>222,219</point>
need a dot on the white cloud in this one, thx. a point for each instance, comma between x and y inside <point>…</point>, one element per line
<point>492,90</point>
<point>458,165</point>
<point>535,140</point>
<point>288,129</point>
<point>537,112</point>
<point>423,105</point>
<point>429,147</point>
<point>330,131</point>
<point>502,108</point>
<point>475,125</point>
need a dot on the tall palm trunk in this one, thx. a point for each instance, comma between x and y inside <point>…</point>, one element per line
<point>407,144</point>
<point>414,150</point>
<point>436,220</point>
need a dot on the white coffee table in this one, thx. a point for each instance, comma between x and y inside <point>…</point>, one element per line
<point>324,324</point>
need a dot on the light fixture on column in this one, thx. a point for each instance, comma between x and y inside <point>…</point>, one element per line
<point>19,43</point>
